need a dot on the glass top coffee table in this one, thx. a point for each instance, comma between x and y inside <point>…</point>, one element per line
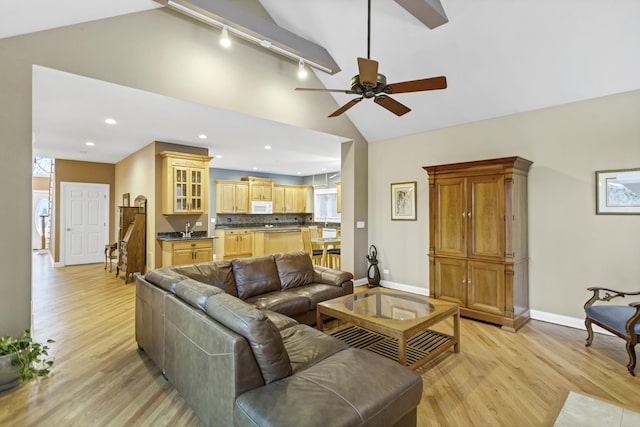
<point>394,324</point>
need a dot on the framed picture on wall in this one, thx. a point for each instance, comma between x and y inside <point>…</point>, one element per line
<point>403,201</point>
<point>618,192</point>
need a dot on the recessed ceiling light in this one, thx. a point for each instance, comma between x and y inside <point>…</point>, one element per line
<point>202,136</point>
<point>324,169</point>
<point>219,156</point>
<point>89,144</point>
<point>267,147</point>
<point>299,173</point>
<point>255,169</point>
<point>110,121</point>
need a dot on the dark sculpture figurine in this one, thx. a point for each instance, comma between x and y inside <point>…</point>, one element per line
<point>374,280</point>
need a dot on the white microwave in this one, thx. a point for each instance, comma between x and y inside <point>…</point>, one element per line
<point>261,207</point>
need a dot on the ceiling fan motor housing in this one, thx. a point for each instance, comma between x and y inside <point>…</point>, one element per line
<point>366,89</point>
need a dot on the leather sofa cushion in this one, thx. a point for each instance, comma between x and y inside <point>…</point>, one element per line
<point>196,293</point>
<point>306,345</point>
<point>351,388</point>
<point>280,320</point>
<point>218,273</point>
<point>255,276</point>
<point>317,293</point>
<point>262,335</point>
<point>165,278</point>
<point>294,269</point>
<point>285,302</point>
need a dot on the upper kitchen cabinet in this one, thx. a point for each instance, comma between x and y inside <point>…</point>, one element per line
<point>260,189</point>
<point>232,196</point>
<point>185,183</point>
<point>291,199</point>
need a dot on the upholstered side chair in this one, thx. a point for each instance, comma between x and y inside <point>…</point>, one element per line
<point>621,320</point>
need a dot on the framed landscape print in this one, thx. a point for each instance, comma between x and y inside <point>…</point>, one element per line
<point>618,191</point>
<point>403,201</point>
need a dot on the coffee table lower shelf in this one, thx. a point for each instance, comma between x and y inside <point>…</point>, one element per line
<point>421,349</point>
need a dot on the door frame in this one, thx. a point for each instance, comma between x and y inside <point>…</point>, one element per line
<point>63,219</point>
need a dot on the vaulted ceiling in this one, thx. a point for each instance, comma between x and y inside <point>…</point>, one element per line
<point>500,57</point>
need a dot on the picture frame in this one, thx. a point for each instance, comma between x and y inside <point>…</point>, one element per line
<point>403,201</point>
<point>126,199</point>
<point>618,192</point>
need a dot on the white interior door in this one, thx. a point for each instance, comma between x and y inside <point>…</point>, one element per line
<point>85,224</point>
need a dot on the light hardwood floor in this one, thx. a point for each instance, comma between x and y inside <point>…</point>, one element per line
<point>100,378</point>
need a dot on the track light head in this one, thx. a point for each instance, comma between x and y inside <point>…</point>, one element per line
<point>225,41</point>
<point>302,71</point>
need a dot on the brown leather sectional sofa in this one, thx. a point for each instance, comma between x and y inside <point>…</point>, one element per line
<point>230,337</point>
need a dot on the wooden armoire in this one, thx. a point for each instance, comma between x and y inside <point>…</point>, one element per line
<point>478,244</point>
<point>131,241</point>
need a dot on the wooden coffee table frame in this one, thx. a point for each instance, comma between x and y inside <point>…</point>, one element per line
<point>423,344</point>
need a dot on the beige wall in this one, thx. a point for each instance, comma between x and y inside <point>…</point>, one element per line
<point>74,171</point>
<point>571,247</point>
<point>40,183</point>
<point>159,51</point>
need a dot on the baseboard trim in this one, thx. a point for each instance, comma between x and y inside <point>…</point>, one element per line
<point>571,322</point>
<point>394,285</point>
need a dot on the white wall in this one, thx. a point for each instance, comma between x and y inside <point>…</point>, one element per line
<point>570,246</point>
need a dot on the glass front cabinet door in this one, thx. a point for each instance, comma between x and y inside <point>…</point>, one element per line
<point>184,183</point>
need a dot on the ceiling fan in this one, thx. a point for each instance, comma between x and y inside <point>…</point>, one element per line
<point>370,84</point>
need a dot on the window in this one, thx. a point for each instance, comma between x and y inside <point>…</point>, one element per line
<point>42,166</point>
<point>324,205</point>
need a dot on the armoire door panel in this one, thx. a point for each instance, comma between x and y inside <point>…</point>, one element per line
<point>452,223</point>
<point>486,287</point>
<point>486,239</point>
<point>451,280</point>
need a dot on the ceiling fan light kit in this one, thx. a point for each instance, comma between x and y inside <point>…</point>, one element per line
<point>368,83</point>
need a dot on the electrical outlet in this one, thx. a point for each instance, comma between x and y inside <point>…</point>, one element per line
<point>199,224</point>
<point>385,271</point>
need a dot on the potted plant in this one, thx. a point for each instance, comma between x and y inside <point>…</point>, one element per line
<point>22,359</point>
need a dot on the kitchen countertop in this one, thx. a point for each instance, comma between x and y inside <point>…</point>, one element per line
<point>177,236</point>
<point>276,230</point>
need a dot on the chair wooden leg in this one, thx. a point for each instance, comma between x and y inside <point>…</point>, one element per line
<point>587,323</point>
<point>632,358</point>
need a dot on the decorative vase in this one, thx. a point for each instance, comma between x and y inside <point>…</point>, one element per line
<point>9,375</point>
<point>373,274</point>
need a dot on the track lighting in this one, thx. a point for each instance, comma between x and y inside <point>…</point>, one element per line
<point>243,34</point>
<point>225,41</point>
<point>302,71</point>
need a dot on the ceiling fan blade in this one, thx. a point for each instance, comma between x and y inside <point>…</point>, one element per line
<point>345,107</point>
<point>348,91</point>
<point>392,105</point>
<point>368,71</point>
<point>432,83</point>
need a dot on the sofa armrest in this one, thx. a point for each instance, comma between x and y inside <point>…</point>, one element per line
<point>330,276</point>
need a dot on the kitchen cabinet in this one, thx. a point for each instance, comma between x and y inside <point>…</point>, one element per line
<point>234,243</point>
<point>185,183</point>
<point>232,196</point>
<point>260,189</point>
<point>276,241</point>
<point>338,196</point>
<point>478,254</point>
<point>180,252</point>
<point>291,199</point>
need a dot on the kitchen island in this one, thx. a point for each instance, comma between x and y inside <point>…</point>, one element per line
<point>276,240</point>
